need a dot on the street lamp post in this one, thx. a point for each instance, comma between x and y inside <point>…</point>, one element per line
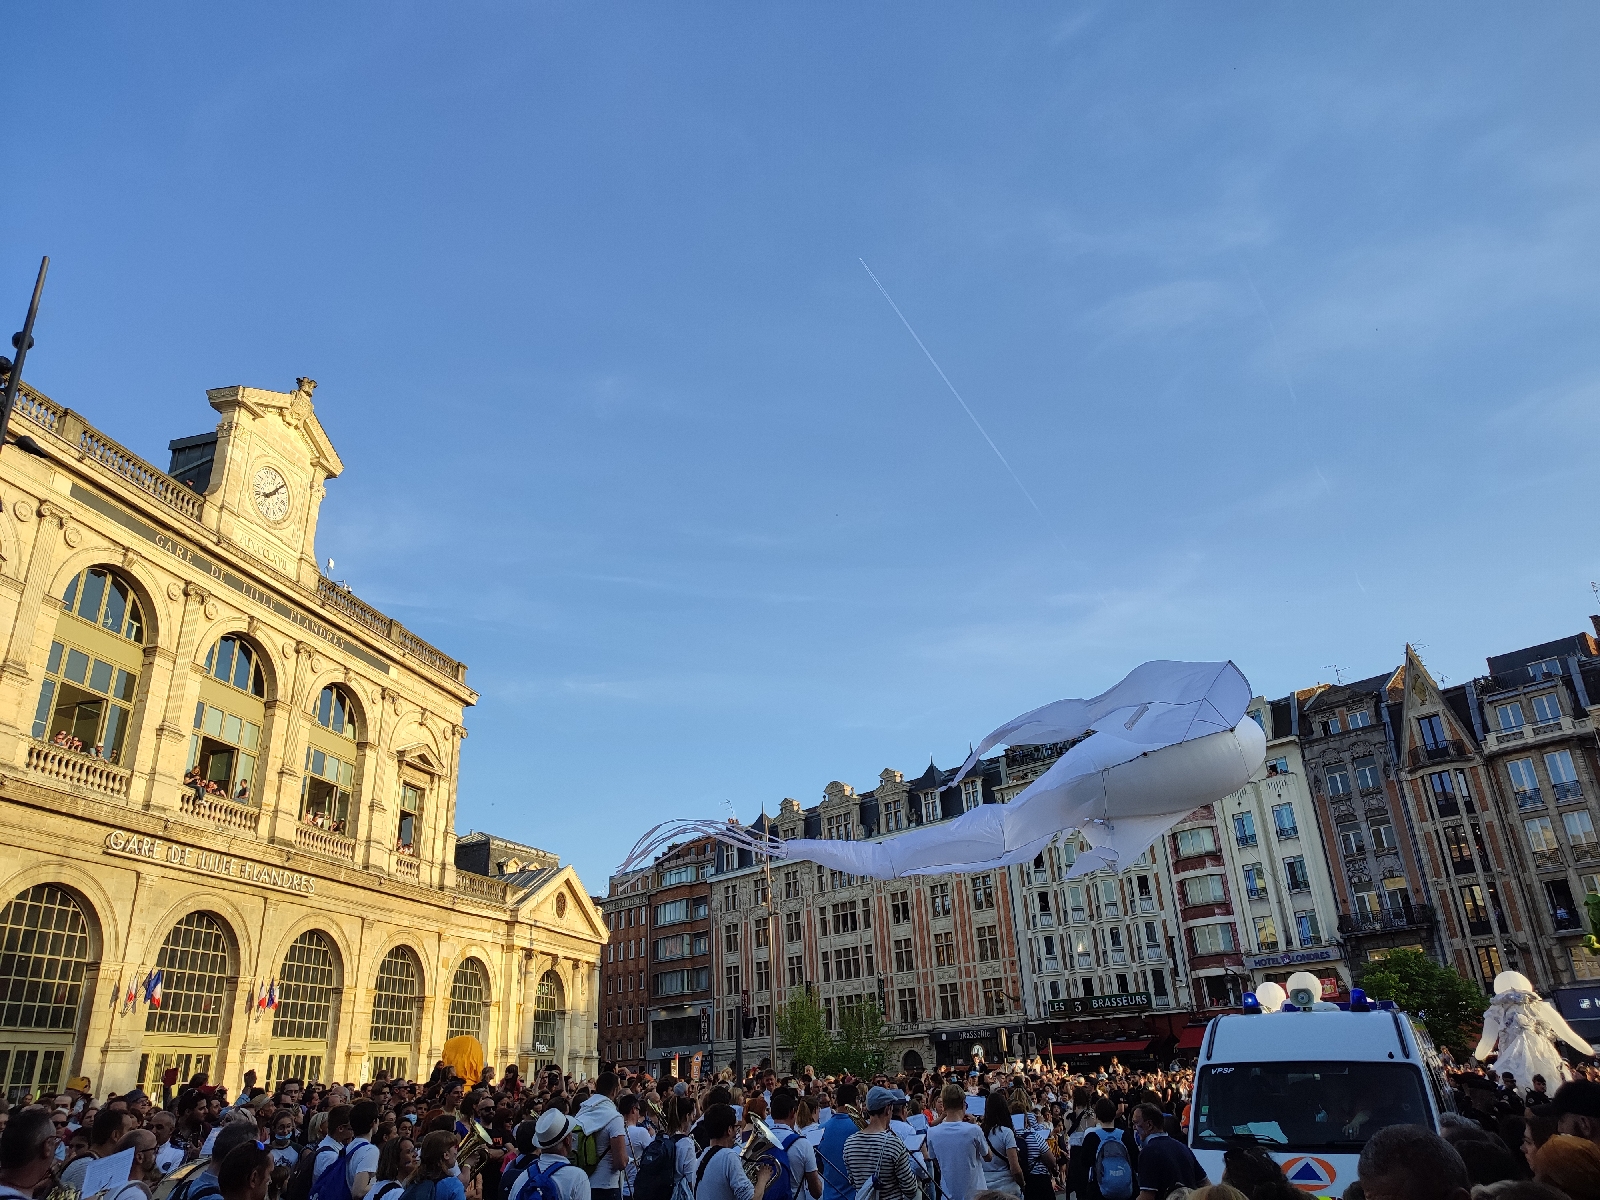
<point>21,341</point>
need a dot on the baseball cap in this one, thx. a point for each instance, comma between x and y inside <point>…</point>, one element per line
<point>878,1099</point>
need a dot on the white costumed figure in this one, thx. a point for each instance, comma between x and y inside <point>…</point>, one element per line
<point>1526,1028</point>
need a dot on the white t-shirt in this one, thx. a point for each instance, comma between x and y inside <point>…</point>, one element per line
<point>997,1171</point>
<point>168,1156</point>
<point>958,1147</point>
<point>362,1156</point>
<point>802,1159</point>
<point>394,1185</point>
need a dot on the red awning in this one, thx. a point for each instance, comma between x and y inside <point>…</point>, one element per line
<point>1100,1047</point>
<point>1191,1037</point>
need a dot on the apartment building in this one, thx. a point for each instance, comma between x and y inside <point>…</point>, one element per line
<point>1109,936</point>
<point>1278,865</point>
<point>1485,918</point>
<point>1533,716</point>
<point>1348,744</point>
<point>656,993</point>
<point>938,953</point>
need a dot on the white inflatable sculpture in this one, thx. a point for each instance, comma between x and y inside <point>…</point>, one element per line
<point>1526,1028</point>
<point>1169,738</point>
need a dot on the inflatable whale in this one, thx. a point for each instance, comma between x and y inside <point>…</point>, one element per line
<point>1168,739</point>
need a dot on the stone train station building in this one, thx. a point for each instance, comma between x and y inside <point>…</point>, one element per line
<point>161,627</point>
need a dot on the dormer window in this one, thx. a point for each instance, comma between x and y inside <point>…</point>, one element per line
<point>971,794</point>
<point>930,807</point>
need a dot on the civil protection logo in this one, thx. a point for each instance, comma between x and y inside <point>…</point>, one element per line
<point>1310,1174</point>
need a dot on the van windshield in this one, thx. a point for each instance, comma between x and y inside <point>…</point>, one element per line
<point>1307,1106</point>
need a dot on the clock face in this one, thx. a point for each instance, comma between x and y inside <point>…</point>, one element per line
<point>272,494</point>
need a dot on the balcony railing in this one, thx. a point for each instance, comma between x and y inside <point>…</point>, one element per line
<point>1479,928</point>
<point>1246,839</point>
<point>1046,921</point>
<point>1545,860</point>
<point>406,868</point>
<point>481,887</point>
<point>1267,946</point>
<point>1529,798</point>
<point>1586,852</point>
<point>1310,940</point>
<point>1566,922</point>
<point>218,810</point>
<point>325,842</point>
<point>75,767</point>
<point>1153,954</point>
<point>1405,917</point>
<point>1547,727</point>
<point>1509,735</point>
<point>1564,792</point>
<point>1288,832</point>
<point>1147,904</point>
<point>1454,748</point>
<point>1119,958</point>
<point>1256,893</point>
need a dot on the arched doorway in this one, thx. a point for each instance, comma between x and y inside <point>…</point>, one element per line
<point>549,1022</point>
<point>394,1014</point>
<point>469,1002</point>
<point>308,999</point>
<point>186,1030</point>
<point>911,1062</point>
<point>44,955</point>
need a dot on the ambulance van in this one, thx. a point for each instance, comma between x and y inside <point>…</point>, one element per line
<point>1310,1086</point>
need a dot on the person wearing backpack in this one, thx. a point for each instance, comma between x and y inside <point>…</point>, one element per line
<point>553,1175</point>
<point>397,1162</point>
<point>599,1139</point>
<point>205,1185</point>
<point>801,1154</point>
<point>1085,1156</point>
<point>345,1162</point>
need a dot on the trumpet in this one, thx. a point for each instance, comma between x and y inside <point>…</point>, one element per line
<point>473,1152</point>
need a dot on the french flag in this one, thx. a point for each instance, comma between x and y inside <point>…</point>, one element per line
<point>152,990</point>
<point>131,999</point>
<point>272,994</point>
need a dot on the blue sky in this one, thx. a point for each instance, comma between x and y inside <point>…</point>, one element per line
<point>1284,315</point>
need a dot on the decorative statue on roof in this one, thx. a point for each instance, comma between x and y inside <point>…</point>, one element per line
<point>1526,1028</point>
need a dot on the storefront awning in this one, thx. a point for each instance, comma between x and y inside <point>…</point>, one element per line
<point>1191,1037</point>
<point>1100,1047</point>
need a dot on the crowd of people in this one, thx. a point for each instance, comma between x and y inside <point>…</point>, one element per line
<point>69,741</point>
<point>1026,1131</point>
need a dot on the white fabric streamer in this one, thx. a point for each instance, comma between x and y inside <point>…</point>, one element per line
<point>1169,738</point>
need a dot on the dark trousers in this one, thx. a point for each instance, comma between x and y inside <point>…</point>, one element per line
<point>1038,1187</point>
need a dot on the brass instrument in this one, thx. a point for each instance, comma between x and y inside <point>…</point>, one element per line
<point>473,1152</point>
<point>763,1138</point>
<point>180,1173</point>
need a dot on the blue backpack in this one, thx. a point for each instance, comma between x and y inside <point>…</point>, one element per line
<point>334,1182</point>
<point>1113,1172</point>
<point>780,1186</point>
<point>541,1185</point>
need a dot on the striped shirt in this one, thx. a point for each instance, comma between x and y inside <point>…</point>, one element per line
<point>866,1153</point>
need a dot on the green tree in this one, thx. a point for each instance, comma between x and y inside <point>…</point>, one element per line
<point>862,1044</point>
<point>801,1029</point>
<point>1449,1007</point>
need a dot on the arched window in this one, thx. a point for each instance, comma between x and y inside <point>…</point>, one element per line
<point>394,1011</point>
<point>192,968</point>
<point>44,952</point>
<point>549,1015</point>
<point>234,661</point>
<point>329,779</point>
<point>86,698</point>
<point>228,717</point>
<point>102,599</point>
<point>308,996</point>
<point>469,1000</point>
